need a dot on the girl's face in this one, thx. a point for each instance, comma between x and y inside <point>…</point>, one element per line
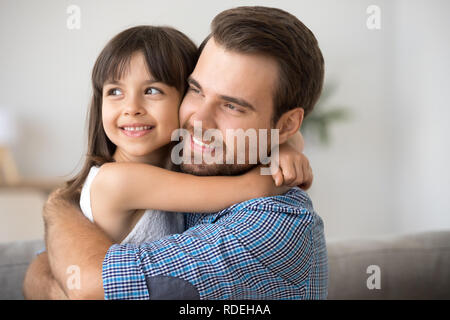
<point>139,114</point>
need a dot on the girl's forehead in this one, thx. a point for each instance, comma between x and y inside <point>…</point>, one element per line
<point>128,70</point>
<point>117,66</point>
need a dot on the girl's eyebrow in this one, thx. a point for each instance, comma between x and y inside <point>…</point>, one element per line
<point>117,82</point>
<point>151,81</point>
<point>114,82</point>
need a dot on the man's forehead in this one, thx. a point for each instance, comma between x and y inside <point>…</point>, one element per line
<point>228,72</point>
<point>214,50</point>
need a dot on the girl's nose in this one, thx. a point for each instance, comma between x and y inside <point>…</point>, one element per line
<point>133,107</point>
<point>133,113</point>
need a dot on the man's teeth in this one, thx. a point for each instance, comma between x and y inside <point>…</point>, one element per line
<point>137,128</point>
<point>196,141</point>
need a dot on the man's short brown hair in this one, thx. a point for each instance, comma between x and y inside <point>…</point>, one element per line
<point>280,35</point>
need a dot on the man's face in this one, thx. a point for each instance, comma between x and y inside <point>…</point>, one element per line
<point>228,90</point>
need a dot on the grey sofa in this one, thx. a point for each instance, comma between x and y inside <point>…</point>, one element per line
<point>415,266</point>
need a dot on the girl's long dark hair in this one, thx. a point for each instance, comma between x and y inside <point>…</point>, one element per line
<point>170,56</point>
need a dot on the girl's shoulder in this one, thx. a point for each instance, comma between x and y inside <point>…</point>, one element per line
<point>91,176</point>
<point>85,196</point>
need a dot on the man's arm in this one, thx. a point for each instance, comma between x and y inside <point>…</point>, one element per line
<point>39,283</point>
<point>76,248</point>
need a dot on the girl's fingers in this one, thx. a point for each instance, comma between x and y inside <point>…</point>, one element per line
<point>289,173</point>
<point>308,176</point>
<point>299,174</point>
<point>278,177</point>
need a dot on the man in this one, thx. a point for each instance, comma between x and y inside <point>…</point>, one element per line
<point>260,68</point>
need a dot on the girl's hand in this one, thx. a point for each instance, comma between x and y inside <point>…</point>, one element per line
<point>262,185</point>
<point>294,169</point>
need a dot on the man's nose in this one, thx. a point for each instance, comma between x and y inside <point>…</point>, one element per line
<point>206,113</point>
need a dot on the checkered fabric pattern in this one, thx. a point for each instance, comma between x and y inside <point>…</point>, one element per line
<point>265,248</point>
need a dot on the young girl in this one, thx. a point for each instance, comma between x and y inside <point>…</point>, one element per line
<point>139,80</point>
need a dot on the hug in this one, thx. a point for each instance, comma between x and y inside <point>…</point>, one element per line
<point>139,226</point>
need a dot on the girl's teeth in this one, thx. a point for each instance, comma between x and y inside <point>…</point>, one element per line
<point>137,128</point>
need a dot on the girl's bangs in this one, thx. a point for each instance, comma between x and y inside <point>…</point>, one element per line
<point>113,68</point>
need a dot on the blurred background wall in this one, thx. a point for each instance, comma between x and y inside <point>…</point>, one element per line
<point>385,168</point>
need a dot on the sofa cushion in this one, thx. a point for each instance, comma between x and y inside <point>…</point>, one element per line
<point>415,266</point>
<point>14,260</point>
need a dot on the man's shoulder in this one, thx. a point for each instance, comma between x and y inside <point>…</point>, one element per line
<point>293,205</point>
<point>295,201</point>
<point>294,208</point>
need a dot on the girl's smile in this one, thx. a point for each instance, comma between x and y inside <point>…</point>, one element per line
<point>136,130</point>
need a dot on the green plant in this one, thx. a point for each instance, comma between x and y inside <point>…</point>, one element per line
<point>318,122</point>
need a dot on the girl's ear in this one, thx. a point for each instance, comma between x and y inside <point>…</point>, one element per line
<point>289,123</point>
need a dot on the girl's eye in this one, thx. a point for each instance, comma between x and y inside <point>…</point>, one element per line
<point>152,91</point>
<point>114,92</point>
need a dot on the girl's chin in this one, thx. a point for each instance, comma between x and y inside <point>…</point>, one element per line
<point>147,155</point>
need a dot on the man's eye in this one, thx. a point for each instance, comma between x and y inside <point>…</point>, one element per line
<point>114,92</point>
<point>152,91</point>
<point>233,108</point>
<point>194,89</point>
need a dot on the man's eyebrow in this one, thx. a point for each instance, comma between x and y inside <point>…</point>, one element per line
<point>191,80</point>
<point>238,101</point>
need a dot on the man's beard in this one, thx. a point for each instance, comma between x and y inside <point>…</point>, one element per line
<point>214,169</point>
<point>204,169</point>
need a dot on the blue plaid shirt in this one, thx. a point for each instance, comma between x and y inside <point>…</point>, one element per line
<point>264,248</point>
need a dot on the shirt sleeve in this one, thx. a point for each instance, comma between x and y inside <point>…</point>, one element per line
<point>257,253</point>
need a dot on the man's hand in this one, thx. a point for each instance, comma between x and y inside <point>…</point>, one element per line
<point>54,206</point>
<point>39,283</point>
<point>74,243</point>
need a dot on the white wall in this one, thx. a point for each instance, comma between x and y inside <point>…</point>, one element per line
<point>422,108</point>
<point>385,170</point>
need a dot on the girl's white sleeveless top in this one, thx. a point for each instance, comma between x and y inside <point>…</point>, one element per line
<point>153,225</point>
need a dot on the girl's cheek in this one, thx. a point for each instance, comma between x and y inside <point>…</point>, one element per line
<point>171,117</point>
<point>173,123</point>
<point>108,124</point>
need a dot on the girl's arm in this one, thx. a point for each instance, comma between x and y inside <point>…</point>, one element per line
<point>127,186</point>
<point>120,188</point>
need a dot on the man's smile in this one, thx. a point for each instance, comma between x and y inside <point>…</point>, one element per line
<point>200,146</point>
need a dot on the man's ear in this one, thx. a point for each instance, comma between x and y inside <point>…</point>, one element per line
<point>289,123</point>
